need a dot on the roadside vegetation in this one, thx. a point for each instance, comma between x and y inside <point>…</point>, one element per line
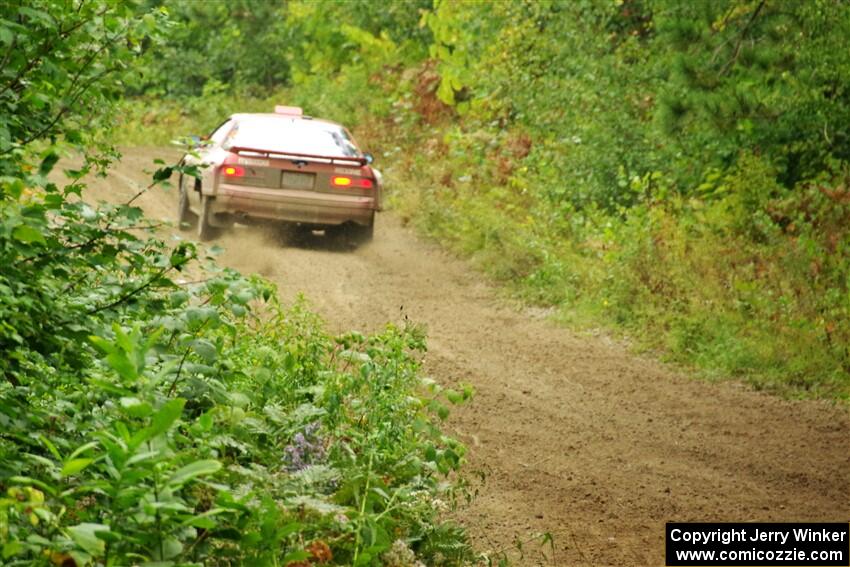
<point>156,409</point>
<point>674,171</point>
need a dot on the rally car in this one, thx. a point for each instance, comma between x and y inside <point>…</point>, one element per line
<point>282,167</point>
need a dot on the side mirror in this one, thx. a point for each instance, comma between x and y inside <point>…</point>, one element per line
<point>368,157</point>
<point>198,141</point>
<point>191,142</point>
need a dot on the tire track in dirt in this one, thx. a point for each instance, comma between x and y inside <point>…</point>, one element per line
<point>577,436</point>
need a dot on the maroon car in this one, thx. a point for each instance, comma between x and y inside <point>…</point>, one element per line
<point>282,167</point>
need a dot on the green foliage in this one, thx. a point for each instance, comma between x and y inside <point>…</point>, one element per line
<point>249,47</point>
<point>157,409</point>
<point>213,45</point>
<point>755,74</point>
<point>62,67</point>
<point>193,423</point>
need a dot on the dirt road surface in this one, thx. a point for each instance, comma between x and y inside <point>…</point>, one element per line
<point>577,436</point>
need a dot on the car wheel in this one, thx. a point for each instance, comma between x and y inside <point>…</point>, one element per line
<point>205,230</point>
<point>363,234</point>
<point>186,219</point>
<point>352,233</point>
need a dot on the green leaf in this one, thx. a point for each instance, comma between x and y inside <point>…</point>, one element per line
<point>6,35</point>
<point>454,396</point>
<point>167,415</point>
<point>205,421</point>
<point>28,234</point>
<point>204,520</point>
<point>161,422</point>
<point>430,453</point>
<point>82,449</point>
<point>12,548</point>
<point>205,350</point>
<point>442,411</point>
<point>139,457</point>
<point>238,399</point>
<point>34,482</point>
<point>33,14</point>
<point>162,174</point>
<point>48,162</point>
<point>102,344</point>
<point>85,536</point>
<point>74,466</point>
<point>178,298</point>
<point>136,407</point>
<point>289,362</point>
<point>381,492</point>
<point>171,548</point>
<point>122,365</point>
<point>51,447</point>
<point>73,136</point>
<point>194,470</point>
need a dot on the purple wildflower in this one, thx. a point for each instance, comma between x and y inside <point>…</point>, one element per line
<point>307,448</point>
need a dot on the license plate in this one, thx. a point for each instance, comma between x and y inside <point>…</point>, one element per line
<point>296,180</point>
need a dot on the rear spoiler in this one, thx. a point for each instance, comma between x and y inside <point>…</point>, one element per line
<point>290,155</point>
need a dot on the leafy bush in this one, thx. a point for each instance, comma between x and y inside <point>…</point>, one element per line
<point>157,409</point>
<point>149,419</point>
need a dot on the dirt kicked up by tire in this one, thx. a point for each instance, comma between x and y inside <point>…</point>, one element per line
<point>574,435</point>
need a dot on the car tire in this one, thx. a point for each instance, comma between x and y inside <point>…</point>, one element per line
<point>186,219</point>
<point>363,234</point>
<point>351,233</point>
<point>205,230</point>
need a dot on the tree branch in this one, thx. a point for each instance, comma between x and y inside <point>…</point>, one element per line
<point>65,108</point>
<point>741,37</point>
<point>36,59</point>
<point>133,292</point>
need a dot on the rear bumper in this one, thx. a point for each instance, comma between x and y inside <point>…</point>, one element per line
<point>292,205</point>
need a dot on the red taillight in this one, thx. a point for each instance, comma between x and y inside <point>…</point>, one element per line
<point>362,182</point>
<point>233,171</point>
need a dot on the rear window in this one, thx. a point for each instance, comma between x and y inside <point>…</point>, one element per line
<point>292,136</point>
